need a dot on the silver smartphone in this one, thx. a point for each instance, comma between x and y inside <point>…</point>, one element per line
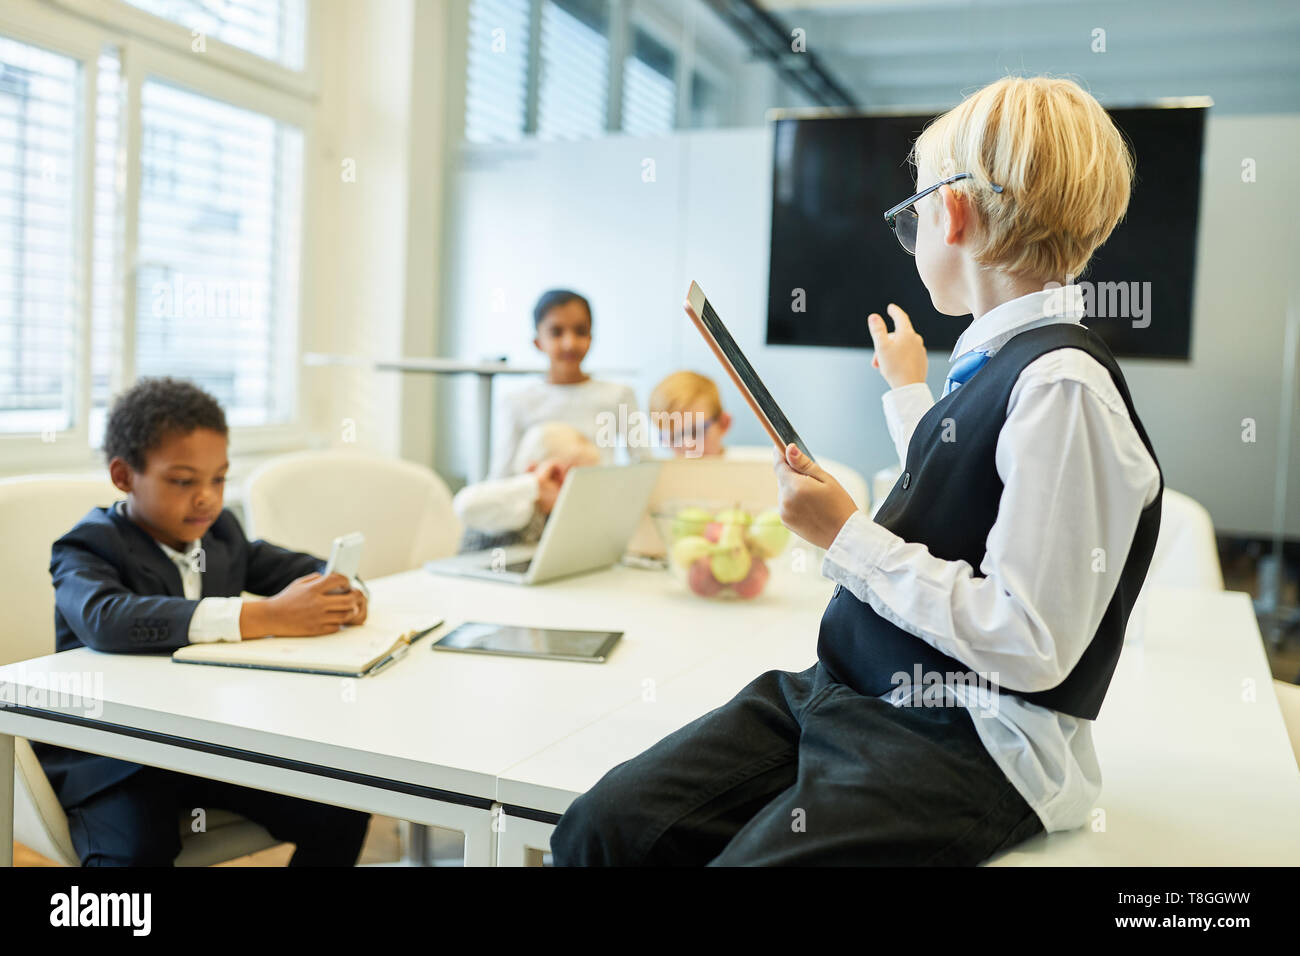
<point>345,556</point>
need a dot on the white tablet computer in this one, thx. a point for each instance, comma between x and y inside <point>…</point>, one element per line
<point>742,373</point>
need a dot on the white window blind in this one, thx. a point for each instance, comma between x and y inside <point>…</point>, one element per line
<point>273,29</point>
<point>39,123</point>
<point>106,287</point>
<point>649,87</point>
<point>574,70</point>
<point>218,251</point>
<point>496,81</point>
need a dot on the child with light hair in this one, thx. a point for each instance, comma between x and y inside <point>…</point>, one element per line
<point>501,512</point>
<point>687,411</point>
<point>978,618</point>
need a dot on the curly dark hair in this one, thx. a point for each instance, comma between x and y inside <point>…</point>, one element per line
<point>152,409</point>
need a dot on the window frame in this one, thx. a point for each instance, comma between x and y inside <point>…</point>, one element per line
<point>71,40</point>
<point>50,26</point>
<point>129,21</point>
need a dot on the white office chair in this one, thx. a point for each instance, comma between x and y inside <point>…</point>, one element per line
<point>306,499</point>
<point>1186,554</point>
<point>35,511</point>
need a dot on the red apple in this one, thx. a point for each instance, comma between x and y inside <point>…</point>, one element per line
<point>754,582</point>
<point>713,531</point>
<point>701,579</point>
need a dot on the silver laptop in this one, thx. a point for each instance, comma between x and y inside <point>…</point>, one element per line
<point>593,519</point>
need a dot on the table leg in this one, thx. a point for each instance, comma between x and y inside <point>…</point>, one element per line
<point>6,800</point>
<point>416,851</point>
<point>485,418</point>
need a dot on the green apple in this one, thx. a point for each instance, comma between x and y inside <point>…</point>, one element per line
<point>767,535</point>
<point>731,565</point>
<point>690,522</point>
<point>733,516</point>
<point>686,551</point>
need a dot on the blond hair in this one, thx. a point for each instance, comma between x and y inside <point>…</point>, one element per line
<point>553,440</point>
<point>1065,170</point>
<point>683,392</point>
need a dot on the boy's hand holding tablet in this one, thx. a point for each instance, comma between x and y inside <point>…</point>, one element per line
<point>812,504</point>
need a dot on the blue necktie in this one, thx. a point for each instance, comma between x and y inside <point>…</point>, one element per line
<point>963,369</point>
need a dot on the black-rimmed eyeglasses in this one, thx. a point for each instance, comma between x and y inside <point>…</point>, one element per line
<point>903,220</point>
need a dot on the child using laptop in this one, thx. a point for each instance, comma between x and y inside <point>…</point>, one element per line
<point>562,320</point>
<point>501,512</point>
<point>163,568</point>
<point>1000,570</point>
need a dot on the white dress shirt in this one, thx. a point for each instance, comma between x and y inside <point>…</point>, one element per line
<point>1076,477</point>
<point>498,504</point>
<point>216,618</point>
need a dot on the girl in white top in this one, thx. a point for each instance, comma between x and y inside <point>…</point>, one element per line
<point>569,395</point>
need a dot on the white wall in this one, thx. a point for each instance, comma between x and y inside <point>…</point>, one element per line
<point>384,107</point>
<point>579,215</point>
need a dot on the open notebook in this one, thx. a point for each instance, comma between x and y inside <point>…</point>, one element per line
<point>353,652</point>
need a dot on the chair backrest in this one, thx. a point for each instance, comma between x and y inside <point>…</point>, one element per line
<point>34,512</point>
<point>1186,554</point>
<point>305,500</point>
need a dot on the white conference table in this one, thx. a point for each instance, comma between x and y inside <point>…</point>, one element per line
<point>424,740</point>
<point>1196,765</point>
<point>497,748</point>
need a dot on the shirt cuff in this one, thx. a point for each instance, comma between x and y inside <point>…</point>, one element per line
<point>856,552</point>
<point>216,619</point>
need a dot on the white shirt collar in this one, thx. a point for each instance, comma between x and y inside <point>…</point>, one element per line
<point>1044,307</point>
<point>185,557</point>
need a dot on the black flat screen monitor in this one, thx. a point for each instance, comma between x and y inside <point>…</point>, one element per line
<point>833,178</point>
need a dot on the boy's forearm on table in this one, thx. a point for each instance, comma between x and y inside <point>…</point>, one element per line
<point>256,619</point>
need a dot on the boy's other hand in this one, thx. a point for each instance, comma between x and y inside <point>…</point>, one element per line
<point>305,608</point>
<point>550,476</point>
<point>363,607</point>
<point>812,504</point>
<point>900,355</point>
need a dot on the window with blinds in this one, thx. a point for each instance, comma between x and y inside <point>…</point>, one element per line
<point>274,29</point>
<point>496,81</point>
<point>649,87</point>
<point>106,267</point>
<point>571,79</point>
<point>39,123</point>
<point>217,252</point>
<point>573,70</point>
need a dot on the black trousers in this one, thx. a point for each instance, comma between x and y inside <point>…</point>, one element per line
<point>134,823</point>
<point>799,769</point>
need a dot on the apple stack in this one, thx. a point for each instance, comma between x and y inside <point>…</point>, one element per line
<point>724,553</point>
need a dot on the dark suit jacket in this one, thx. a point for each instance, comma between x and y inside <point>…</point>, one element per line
<point>115,590</point>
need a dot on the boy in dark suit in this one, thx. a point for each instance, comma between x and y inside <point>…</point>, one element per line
<point>163,569</point>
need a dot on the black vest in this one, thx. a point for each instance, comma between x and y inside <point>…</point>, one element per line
<point>947,499</point>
